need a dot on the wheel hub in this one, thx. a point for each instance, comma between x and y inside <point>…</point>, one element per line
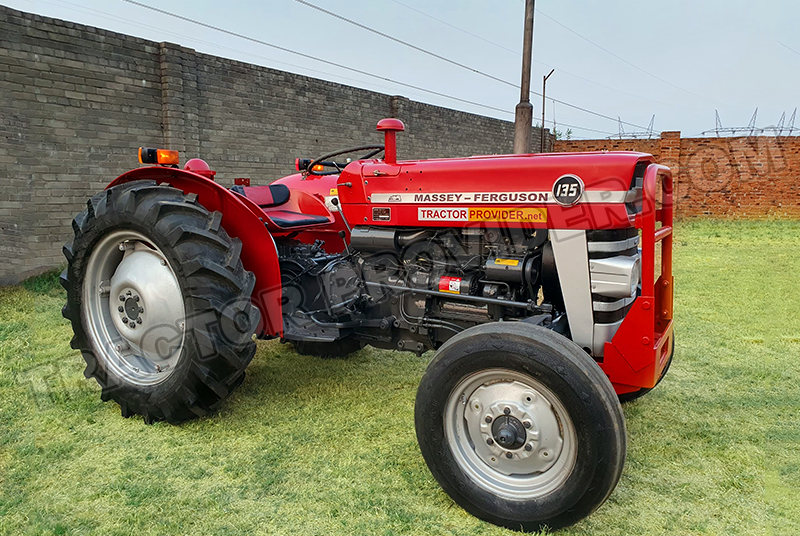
<point>132,308</point>
<point>137,313</point>
<point>509,432</point>
<point>131,312</point>
<point>140,279</point>
<point>520,431</point>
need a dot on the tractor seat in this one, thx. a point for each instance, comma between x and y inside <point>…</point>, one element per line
<point>287,219</point>
<point>270,199</point>
<point>270,195</point>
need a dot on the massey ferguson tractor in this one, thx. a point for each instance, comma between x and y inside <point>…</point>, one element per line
<point>543,282</point>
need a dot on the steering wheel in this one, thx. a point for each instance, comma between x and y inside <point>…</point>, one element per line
<point>373,150</point>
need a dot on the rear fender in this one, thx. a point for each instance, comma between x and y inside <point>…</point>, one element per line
<point>242,219</point>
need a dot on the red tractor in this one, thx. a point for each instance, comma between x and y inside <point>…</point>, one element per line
<point>533,277</point>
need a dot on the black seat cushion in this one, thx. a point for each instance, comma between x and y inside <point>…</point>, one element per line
<point>287,218</point>
<point>270,195</point>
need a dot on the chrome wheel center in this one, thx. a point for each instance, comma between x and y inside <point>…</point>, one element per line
<point>134,308</point>
<point>510,433</point>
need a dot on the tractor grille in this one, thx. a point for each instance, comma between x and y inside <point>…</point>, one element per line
<point>614,262</point>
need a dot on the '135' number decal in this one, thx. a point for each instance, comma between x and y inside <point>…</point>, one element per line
<point>568,190</point>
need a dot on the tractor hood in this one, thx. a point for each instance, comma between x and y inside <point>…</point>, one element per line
<point>563,184</point>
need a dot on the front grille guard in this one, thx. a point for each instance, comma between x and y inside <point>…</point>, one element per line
<point>641,347</point>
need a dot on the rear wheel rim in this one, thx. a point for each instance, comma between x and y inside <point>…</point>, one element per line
<point>133,308</point>
<point>482,427</point>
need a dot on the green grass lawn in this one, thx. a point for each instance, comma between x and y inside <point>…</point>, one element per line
<point>308,446</point>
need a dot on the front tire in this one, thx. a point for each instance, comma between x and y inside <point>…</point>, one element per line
<point>159,302</point>
<point>520,427</point>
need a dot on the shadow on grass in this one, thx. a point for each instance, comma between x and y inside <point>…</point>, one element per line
<point>46,283</point>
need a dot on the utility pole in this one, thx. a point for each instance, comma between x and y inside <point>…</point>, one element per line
<point>544,90</point>
<point>523,118</point>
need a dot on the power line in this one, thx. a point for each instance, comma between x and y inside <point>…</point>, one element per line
<point>457,28</point>
<point>790,48</point>
<point>109,16</point>
<point>308,56</point>
<point>620,58</point>
<point>581,128</point>
<point>258,41</point>
<point>516,53</point>
<point>448,60</point>
<point>406,43</point>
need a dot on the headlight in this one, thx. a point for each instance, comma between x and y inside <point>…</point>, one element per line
<point>636,277</point>
<point>615,277</point>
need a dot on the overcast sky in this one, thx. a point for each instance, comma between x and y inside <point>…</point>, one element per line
<point>679,59</point>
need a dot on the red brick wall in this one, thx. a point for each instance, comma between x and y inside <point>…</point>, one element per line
<point>750,177</point>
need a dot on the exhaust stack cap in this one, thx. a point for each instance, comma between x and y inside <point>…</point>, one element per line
<point>390,127</point>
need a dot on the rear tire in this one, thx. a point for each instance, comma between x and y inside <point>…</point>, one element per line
<point>494,390</point>
<point>159,302</point>
<point>328,350</point>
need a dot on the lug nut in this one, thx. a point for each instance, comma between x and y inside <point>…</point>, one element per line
<point>490,441</point>
<point>507,411</point>
<point>528,447</point>
<point>509,455</point>
<point>121,297</point>
<point>488,418</point>
<point>139,320</point>
<point>128,293</point>
<point>121,309</point>
<point>132,325</point>
<point>136,298</point>
<point>526,424</point>
<point>141,309</point>
<point>124,319</point>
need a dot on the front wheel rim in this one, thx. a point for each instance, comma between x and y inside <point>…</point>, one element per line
<point>510,434</point>
<point>133,308</point>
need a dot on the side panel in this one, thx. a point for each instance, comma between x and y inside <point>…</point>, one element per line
<point>241,219</point>
<point>572,263</point>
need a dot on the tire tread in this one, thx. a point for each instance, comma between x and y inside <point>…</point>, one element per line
<point>214,279</point>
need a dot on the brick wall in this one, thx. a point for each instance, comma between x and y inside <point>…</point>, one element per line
<point>748,177</point>
<point>73,101</point>
<point>76,102</point>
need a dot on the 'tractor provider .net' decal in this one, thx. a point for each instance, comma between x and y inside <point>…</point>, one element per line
<point>516,214</point>
<point>569,194</point>
<point>456,197</point>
